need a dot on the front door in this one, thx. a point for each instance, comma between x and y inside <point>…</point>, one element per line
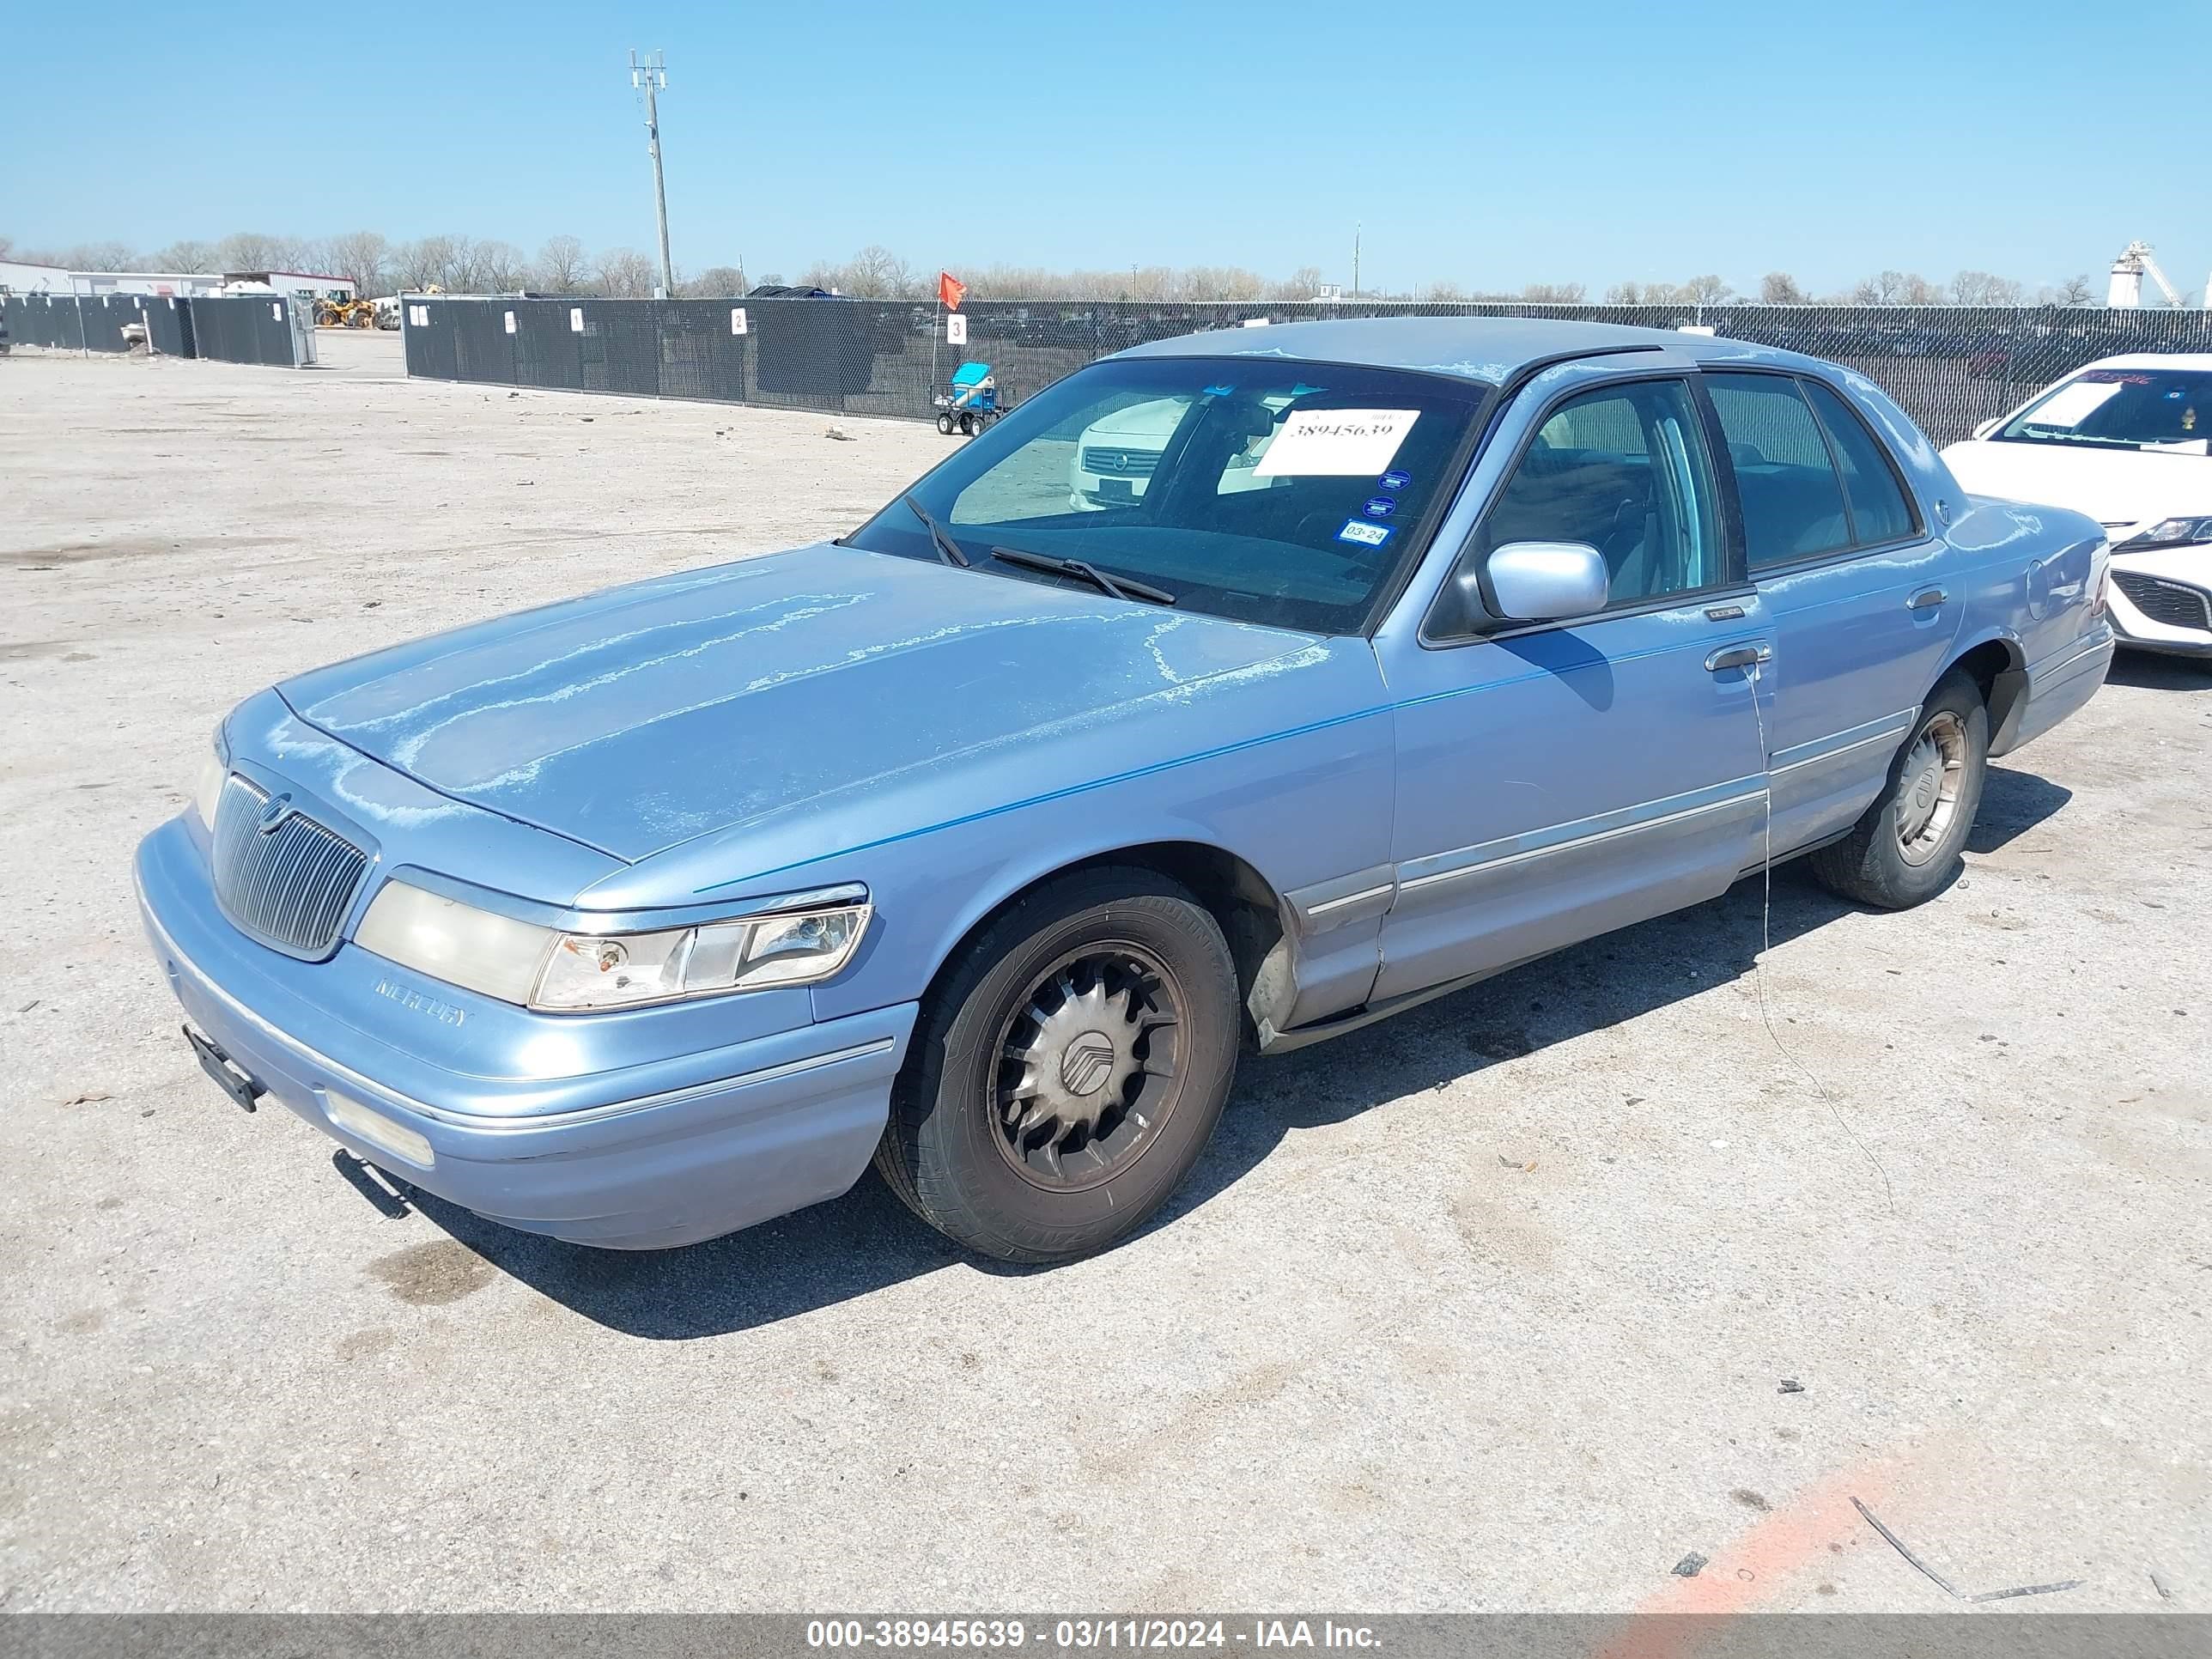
<point>1558,781</point>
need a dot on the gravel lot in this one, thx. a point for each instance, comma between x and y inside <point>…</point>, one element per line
<point>1488,1306</point>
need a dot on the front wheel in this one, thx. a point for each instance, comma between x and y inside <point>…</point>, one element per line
<point>1068,1069</point>
<point>1907,845</point>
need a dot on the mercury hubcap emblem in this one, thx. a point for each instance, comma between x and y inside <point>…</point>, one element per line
<point>1087,1062</point>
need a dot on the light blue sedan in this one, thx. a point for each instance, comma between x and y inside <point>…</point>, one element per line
<point>979,842</point>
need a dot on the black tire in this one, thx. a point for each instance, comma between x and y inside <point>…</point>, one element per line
<point>958,1149</point>
<point>967,426</point>
<point>1876,864</point>
<point>944,424</point>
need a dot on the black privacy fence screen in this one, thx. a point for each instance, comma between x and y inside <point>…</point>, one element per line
<point>1950,366</point>
<point>245,328</point>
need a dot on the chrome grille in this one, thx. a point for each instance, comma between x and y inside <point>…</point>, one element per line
<point>290,884</point>
<point>1121,463</point>
<point>2175,604</point>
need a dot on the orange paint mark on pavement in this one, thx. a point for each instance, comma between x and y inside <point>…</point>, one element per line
<point>1751,1568</point>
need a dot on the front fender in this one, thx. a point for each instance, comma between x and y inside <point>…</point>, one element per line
<point>1299,806</point>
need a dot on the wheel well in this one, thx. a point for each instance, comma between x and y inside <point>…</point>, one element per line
<point>1237,896</point>
<point>1996,667</point>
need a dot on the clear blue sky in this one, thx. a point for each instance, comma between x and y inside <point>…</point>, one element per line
<point>1492,145</point>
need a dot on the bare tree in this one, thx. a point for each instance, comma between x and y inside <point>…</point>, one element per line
<point>560,267</point>
<point>501,266</point>
<point>188,258</point>
<point>420,264</point>
<point>1624,294</point>
<point>251,250</point>
<point>1979,288</point>
<point>1554,293</point>
<point>359,255</point>
<point>876,273</point>
<point>1779,287</point>
<point>622,273</point>
<point>716,282</point>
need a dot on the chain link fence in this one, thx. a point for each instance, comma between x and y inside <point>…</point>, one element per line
<point>1949,367</point>
<point>247,328</point>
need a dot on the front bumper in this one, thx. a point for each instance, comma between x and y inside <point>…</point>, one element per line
<point>2177,586</point>
<point>642,1155</point>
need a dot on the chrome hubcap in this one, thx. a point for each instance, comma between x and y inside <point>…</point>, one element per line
<point>1087,1067</point>
<point>1927,788</point>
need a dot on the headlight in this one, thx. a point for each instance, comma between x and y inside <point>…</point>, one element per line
<point>2168,532</point>
<point>542,968</point>
<point>214,771</point>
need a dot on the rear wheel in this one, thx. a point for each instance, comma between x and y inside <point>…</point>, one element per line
<point>968,426</point>
<point>944,424</point>
<point>1907,846</point>
<point>1068,1070</point>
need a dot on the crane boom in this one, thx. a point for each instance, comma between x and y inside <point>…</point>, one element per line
<point>2135,262</point>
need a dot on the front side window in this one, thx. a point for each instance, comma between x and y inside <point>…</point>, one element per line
<point>1260,489</point>
<point>2159,411</point>
<point>1785,482</point>
<point>1623,470</point>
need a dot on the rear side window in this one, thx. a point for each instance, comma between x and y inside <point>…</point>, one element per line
<point>1879,511</point>
<point>1792,500</point>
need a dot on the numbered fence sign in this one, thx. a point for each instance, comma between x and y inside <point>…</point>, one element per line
<point>956,330</point>
<point>575,319</point>
<point>737,319</point>
<point>510,322</point>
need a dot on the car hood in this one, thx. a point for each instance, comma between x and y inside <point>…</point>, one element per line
<point>2124,490</point>
<point>646,715</point>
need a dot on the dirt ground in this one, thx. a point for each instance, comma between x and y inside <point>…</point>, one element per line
<point>1509,1303</point>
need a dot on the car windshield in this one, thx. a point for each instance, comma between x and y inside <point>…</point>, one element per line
<point>2163,410</point>
<point>1264,489</point>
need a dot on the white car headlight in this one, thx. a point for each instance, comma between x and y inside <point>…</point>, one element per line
<point>207,789</point>
<point>542,968</point>
<point>2168,532</point>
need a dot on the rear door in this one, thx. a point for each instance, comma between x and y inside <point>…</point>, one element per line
<point>1852,583</point>
<point>1559,780</point>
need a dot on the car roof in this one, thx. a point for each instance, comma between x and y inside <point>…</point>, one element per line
<point>2200,359</point>
<point>1488,349</point>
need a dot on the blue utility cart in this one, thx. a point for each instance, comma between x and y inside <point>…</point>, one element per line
<point>969,401</point>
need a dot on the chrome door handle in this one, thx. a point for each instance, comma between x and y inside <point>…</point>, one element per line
<point>1740,656</point>
<point>1926,597</point>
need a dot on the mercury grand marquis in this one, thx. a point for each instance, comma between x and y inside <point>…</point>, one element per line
<point>980,841</point>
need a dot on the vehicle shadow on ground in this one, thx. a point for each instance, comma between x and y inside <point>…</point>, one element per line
<point>2157,673</point>
<point>866,1239</point>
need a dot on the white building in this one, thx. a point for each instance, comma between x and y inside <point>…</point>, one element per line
<point>314,284</point>
<point>20,276</point>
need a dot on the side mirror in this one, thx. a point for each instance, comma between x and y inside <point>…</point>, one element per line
<point>1988,426</point>
<point>1543,581</point>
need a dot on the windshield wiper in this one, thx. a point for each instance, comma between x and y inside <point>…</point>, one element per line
<point>1121,587</point>
<point>947,549</point>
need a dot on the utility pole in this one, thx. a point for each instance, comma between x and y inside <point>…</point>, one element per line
<point>650,77</point>
<point>1356,228</point>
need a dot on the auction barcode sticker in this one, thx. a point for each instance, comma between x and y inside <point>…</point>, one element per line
<point>1336,443</point>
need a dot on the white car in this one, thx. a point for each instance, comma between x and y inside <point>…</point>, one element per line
<point>1116,453</point>
<point>2129,442</point>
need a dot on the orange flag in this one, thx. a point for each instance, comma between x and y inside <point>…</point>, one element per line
<point>950,290</point>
